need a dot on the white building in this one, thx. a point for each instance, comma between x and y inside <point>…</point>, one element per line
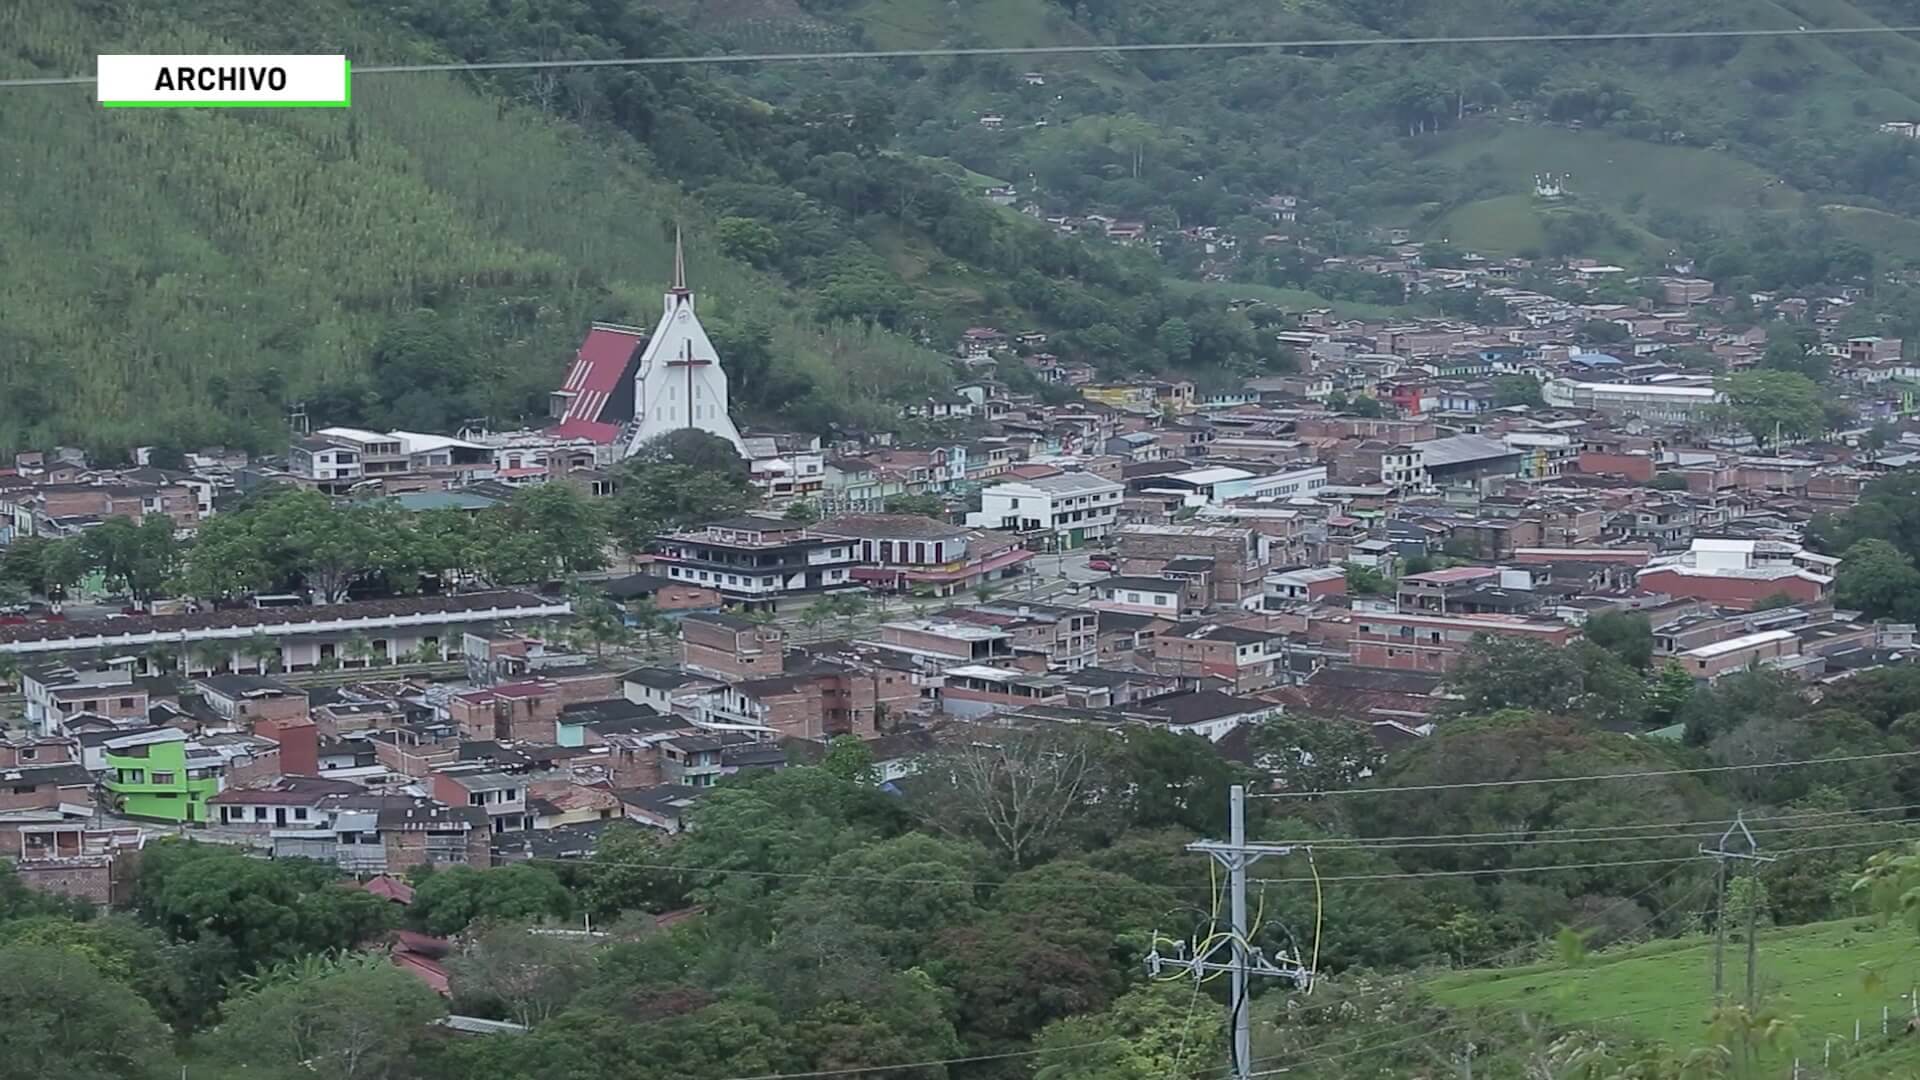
<point>1075,507</point>
<point>1674,404</point>
<point>679,383</point>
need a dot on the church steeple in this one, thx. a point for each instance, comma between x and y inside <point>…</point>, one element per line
<point>679,288</point>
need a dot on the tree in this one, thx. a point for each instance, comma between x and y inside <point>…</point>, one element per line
<point>1879,580</point>
<point>1773,404</point>
<point>356,1018</point>
<point>533,975</point>
<point>64,1018</point>
<point>924,505</point>
<point>1015,791</point>
<point>451,899</point>
<point>627,873</point>
<point>264,911</point>
<point>569,530</point>
<point>1151,1033</point>
<point>1626,634</point>
<point>802,512</point>
<point>1510,390</point>
<point>653,498</point>
<point>849,758</point>
<point>1366,581</point>
<point>1795,349</point>
<point>696,449</point>
<point>1308,753</point>
<point>1671,691</point>
<point>141,558</point>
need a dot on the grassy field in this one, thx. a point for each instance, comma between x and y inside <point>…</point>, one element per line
<point>1884,233</point>
<point>1818,974</point>
<point>1289,299</point>
<point>1616,171</point>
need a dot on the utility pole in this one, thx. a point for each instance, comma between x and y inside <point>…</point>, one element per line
<point>1235,855</point>
<point>1721,852</point>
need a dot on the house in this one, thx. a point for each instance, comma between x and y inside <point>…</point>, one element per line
<point>1241,657</point>
<point>1310,584</point>
<point>1139,596</point>
<point>149,775</point>
<point>1071,509</point>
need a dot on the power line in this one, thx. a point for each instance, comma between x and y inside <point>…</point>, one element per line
<point>711,59</point>
<point>857,1069</point>
<point>1714,822</point>
<point>1552,867</point>
<point>1331,846</point>
<point>1537,780</point>
<point>1605,838</point>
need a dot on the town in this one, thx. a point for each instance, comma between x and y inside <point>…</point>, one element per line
<point>1331,541</point>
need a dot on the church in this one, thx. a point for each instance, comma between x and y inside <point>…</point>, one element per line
<point>676,379</point>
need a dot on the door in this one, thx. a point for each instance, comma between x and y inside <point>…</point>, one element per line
<point>280,816</point>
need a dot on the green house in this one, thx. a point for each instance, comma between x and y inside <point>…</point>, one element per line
<point>149,777</point>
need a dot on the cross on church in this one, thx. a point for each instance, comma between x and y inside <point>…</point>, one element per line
<point>690,362</point>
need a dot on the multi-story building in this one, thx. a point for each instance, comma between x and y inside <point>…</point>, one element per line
<point>785,468</point>
<point>1066,638</point>
<point>1436,642</point>
<point>1246,659</point>
<point>1663,404</point>
<point>1071,508</point>
<point>1237,554</point>
<point>151,775</point>
<point>758,562</point>
<point>732,647</point>
<point>906,552</point>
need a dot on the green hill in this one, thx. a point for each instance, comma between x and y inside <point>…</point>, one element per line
<point>1817,974</point>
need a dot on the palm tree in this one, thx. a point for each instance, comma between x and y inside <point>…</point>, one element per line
<point>211,655</point>
<point>359,649</point>
<point>9,670</point>
<point>160,660</point>
<point>816,613</point>
<point>849,606</point>
<point>427,652</point>
<point>646,618</point>
<point>263,651</point>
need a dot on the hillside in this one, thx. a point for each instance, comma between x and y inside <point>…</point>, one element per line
<point>429,256</point>
<point>1816,974</point>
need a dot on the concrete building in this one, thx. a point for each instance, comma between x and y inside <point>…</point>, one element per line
<point>1073,508</point>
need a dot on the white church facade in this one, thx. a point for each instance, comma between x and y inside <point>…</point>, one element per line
<point>680,383</point>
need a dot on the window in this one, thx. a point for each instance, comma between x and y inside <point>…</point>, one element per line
<point>299,813</point>
<point>126,703</point>
<point>163,778</point>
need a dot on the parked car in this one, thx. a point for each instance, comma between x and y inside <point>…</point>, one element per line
<point>1100,562</point>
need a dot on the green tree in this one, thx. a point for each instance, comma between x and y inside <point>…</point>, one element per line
<point>451,899</point>
<point>1366,581</point>
<point>1668,696</point>
<point>140,558</point>
<point>357,1018</point>
<point>1771,405</point>
<point>631,871</point>
<point>569,529</point>
<point>1509,390</point>
<point>533,975</point>
<point>802,512</point>
<point>1310,753</point>
<point>656,498</point>
<point>264,911</point>
<point>924,505</point>
<point>1878,579</point>
<point>1151,1033</point>
<point>1626,634</point>
<point>64,1018</point>
<point>849,758</point>
<point>696,449</point>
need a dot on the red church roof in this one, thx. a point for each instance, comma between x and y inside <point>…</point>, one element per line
<point>598,370</point>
